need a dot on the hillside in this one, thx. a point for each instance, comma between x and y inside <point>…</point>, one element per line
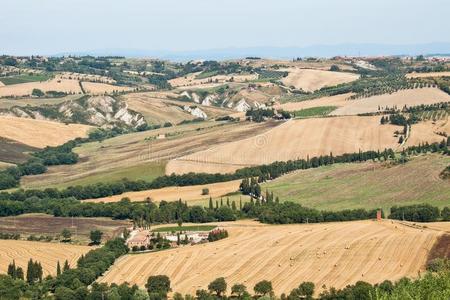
<point>40,133</point>
<point>366,185</point>
<point>334,254</point>
<point>142,155</point>
<point>299,138</point>
<point>102,111</point>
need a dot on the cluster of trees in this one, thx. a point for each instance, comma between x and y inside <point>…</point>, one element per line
<point>37,164</point>
<point>290,213</point>
<point>14,271</point>
<point>430,286</point>
<point>250,187</point>
<point>9,236</point>
<point>217,234</point>
<point>262,114</point>
<point>68,283</point>
<point>420,213</point>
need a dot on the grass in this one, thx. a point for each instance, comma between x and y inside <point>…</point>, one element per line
<point>367,185</point>
<point>24,78</point>
<point>314,111</point>
<point>185,228</point>
<point>204,74</point>
<point>147,172</point>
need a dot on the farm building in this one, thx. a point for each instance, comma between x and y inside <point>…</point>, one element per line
<point>193,237</point>
<point>138,238</point>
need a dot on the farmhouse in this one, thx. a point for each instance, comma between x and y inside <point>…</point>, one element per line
<point>138,238</point>
<point>192,237</point>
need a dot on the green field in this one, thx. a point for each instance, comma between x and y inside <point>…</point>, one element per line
<point>366,185</point>
<point>148,172</point>
<point>24,78</point>
<point>206,74</point>
<point>314,111</point>
<point>185,228</point>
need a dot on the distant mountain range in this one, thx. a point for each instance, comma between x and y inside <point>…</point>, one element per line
<point>369,49</point>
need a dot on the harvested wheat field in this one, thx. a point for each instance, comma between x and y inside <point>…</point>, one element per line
<point>48,254</point>
<point>142,150</point>
<point>98,88</point>
<point>334,254</point>
<point>410,97</point>
<point>185,193</point>
<point>430,74</point>
<point>311,80</point>
<point>429,131</point>
<point>40,133</point>
<point>55,84</point>
<point>338,101</point>
<point>299,138</point>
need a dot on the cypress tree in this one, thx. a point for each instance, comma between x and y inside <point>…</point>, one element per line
<point>210,203</point>
<point>19,273</point>
<point>66,264</point>
<point>30,271</point>
<point>233,205</point>
<point>58,269</point>
<point>12,269</point>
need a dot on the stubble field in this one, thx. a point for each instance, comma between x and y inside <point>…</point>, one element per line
<point>48,254</point>
<point>40,133</point>
<point>334,254</point>
<point>291,140</point>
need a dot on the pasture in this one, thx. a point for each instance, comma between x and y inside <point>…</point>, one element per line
<point>333,254</point>
<point>40,133</point>
<point>366,185</point>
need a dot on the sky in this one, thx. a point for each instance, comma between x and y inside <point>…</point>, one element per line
<point>58,26</point>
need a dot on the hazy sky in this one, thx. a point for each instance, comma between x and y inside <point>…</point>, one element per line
<point>54,26</point>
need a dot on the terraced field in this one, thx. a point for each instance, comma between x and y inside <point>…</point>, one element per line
<point>334,254</point>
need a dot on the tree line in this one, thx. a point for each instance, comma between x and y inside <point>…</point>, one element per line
<point>269,171</point>
<point>433,285</point>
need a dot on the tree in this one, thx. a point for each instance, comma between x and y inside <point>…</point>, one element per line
<point>239,290</point>
<point>218,286</point>
<point>19,273</point>
<point>58,269</point>
<point>96,237</point>
<point>66,234</point>
<point>37,93</point>
<point>12,270</point>
<point>159,284</point>
<point>263,287</point>
<point>306,289</point>
<point>66,265</point>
